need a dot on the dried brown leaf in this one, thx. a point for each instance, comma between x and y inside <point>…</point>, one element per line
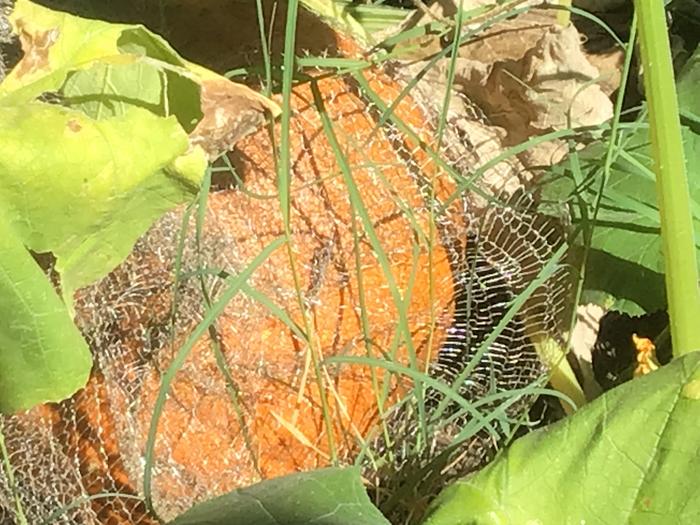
<point>231,111</point>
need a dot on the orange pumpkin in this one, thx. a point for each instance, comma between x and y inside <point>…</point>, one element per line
<point>210,438</point>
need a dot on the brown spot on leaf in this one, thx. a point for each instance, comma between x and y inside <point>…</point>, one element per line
<point>36,47</point>
<point>74,125</point>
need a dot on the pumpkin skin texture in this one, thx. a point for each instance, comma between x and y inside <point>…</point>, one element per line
<point>200,430</point>
<point>278,411</point>
<point>269,421</point>
<point>253,399</point>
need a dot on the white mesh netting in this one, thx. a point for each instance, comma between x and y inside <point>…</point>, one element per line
<point>339,298</point>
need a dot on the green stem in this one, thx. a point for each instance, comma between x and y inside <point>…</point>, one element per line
<point>671,182</point>
<point>265,50</point>
<point>564,15</point>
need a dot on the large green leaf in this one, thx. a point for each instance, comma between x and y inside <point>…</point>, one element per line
<point>99,68</point>
<point>42,355</point>
<point>331,496</point>
<point>110,87</point>
<point>103,128</point>
<point>626,239</point>
<point>629,202</point>
<point>86,189</point>
<point>628,457</point>
<point>124,139</point>
<point>59,46</point>
<point>82,178</point>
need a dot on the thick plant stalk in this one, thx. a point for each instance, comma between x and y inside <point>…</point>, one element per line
<point>564,15</point>
<point>671,182</point>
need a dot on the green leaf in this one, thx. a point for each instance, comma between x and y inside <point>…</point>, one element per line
<point>88,204</point>
<point>627,236</point>
<point>42,354</point>
<point>58,43</point>
<point>82,180</point>
<point>628,457</point>
<point>687,87</point>
<point>85,176</point>
<point>100,68</point>
<point>629,202</point>
<point>374,18</point>
<point>628,229</point>
<point>331,496</point>
<point>108,88</point>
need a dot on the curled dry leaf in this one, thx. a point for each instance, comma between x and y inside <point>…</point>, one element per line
<point>552,87</point>
<point>230,112</point>
<point>529,76</point>
<point>561,83</point>
<point>484,137</point>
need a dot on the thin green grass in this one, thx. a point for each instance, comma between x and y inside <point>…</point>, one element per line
<point>284,174</point>
<point>232,388</point>
<point>592,210</point>
<point>364,322</point>
<point>428,476</point>
<point>547,271</point>
<point>421,238</point>
<point>267,90</point>
<point>587,224</point>
<point>10,476</point>
<point>442,123</point>
<point>433,61</point>
<point>454,54</point>
<point>234,286</point>
<point>253,293</point>
<point>452,390</point>
<point>420,378</point>
<point>360,209</point>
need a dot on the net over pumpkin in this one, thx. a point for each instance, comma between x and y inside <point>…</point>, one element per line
<point>329,293</point>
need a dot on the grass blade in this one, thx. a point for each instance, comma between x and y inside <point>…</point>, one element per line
<point>235,285</point>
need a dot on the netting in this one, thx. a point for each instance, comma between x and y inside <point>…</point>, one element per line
<point>381,269</point>
<point>487,355</point>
